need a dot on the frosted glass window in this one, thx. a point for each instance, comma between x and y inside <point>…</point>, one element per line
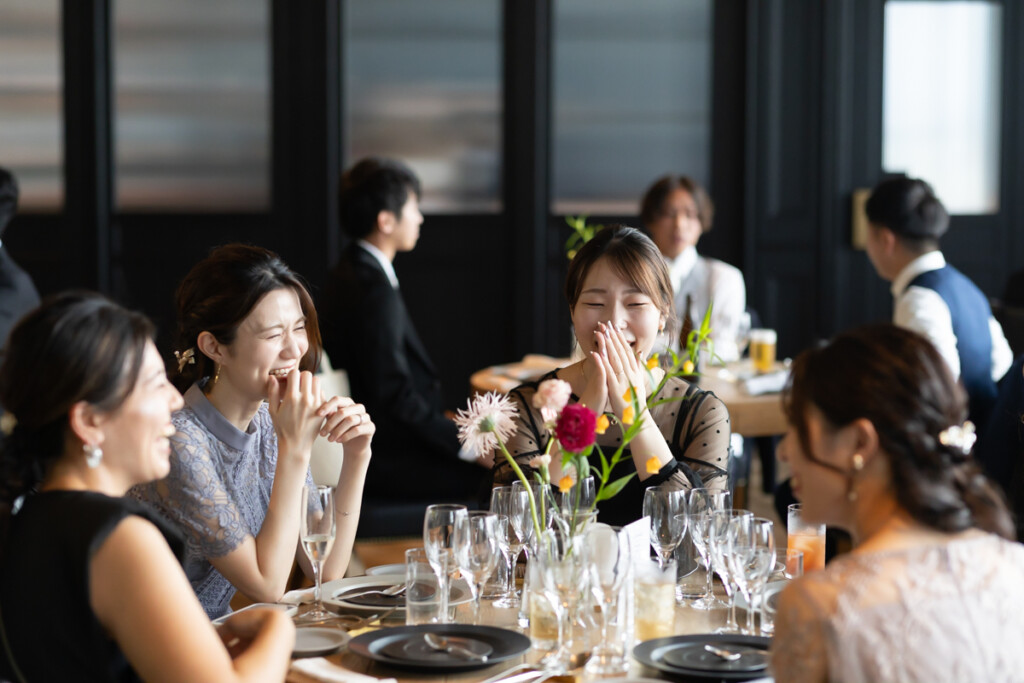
<point>942,98</point>
<point>422,83</point>
<point>192,104</point>
<point>31,132</point>
<point>632,99</point>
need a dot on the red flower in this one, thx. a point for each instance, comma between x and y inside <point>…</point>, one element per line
<point>575,427</point>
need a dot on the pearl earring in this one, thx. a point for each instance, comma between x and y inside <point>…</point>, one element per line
<point>857,464</point>
<point>93,455</point>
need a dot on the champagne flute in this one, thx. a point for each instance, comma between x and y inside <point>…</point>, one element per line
<point>703,502</point>
<point>438,540</point>
<point>666,511</point>
<point>509,543</point>
<point>317,530</point>
<point>476,550</point>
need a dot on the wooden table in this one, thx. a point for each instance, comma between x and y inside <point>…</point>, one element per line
<point>688,620</point>
<point>750,415</point>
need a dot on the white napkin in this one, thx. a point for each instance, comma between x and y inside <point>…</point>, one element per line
<point>768,383</point>
<point>320,670</point>
<point>303,596</point>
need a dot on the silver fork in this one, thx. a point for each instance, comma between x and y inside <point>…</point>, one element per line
<point>390,591</point>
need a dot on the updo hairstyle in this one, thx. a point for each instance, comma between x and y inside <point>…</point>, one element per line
<point>219,293</point>
<point>634,257</point>
<point>652,206</point>
<point>76,346</point>
<point>896,379</point>
<point>909,208</point>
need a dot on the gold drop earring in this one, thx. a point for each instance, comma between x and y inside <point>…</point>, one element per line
<point>216,373</point>
<point>857,464</point>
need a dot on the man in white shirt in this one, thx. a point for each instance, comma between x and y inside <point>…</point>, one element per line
<point>932,297</point>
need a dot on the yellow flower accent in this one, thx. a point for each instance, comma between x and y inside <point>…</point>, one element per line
<point>628,395</point>
<point>653,465</point>
<point>627,416</point>
<point>688,367</point>
<point>602,424</point>
<point>652,362</point>
<point>565,484</point>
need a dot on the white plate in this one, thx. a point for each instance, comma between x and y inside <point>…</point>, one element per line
<point>317,641</point>
<point>332,588</point>
<point>290,610</point>
<point>389,569</point>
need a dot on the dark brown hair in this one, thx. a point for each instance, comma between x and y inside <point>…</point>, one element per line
<point>633,256</point>
<point>219,293</point>
<point>76,346</point>
<point>652,206</point>
<point>909,208</point>
<point>898,381</point>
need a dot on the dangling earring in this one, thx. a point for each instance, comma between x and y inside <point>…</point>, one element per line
<point>93,455</point>
<point>857,463</point>
<point>216,372</point>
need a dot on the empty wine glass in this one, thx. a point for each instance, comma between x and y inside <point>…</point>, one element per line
<point>724,523</point>
<point>578,499</point>
<point>702,502</point>
<point>742,334</point>
<point>509,532</point>
<point>438,540</point>
<point>608,569</point>
<point>751,558</point>
<point>666,511</point>
<point>317,531</point>
<point>476,550</point>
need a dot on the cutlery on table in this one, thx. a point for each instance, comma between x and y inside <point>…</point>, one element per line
<point>727,655</point>
<point>390,592</point>
<point>442,644</point>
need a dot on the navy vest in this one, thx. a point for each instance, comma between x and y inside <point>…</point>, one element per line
<point>970,313</point>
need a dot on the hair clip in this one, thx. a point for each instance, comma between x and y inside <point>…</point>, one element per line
<point>187,358</point>
<point>961,437</point>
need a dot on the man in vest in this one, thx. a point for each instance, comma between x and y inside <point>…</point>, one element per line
<point>932,297</point>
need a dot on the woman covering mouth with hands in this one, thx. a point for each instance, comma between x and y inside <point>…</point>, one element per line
<point>620,299</point>
<point>248,343</point>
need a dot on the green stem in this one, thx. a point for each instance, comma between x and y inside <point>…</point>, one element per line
<point>526,484</point>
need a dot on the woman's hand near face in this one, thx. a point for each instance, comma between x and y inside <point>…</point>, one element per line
<point>622,368</point>
<point>293,410</point>
<point>348,423</point>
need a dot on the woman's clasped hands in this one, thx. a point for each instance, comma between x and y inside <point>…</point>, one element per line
<point>617,369</point>
<point>301,412</point>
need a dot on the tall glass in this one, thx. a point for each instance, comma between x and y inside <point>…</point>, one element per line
<point>805,537</point>
<point>476,551</point>
<point>789,565</point>
<point>438,537</point>
<point>509,535</point>
<point>609,567</point>
<point>578,499</point>
<point>666,512</point>
<point>724,523</point>
<point>702,502</point>
<point>317,531</point>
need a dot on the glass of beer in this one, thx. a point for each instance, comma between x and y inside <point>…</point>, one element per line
<point>762,349</point>
<point>807,538</point>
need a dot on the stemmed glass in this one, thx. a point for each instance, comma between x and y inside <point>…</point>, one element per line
<point>751,558</point>
<point>577,500</point>
<point>742,334</point>
<point>510,526</point>
<point>558,572</point>
<point>608,569</point>
<point>666,511</point>
<point>438,540</point>
<point>476,550</point>
<point>703,502</point>
<point>317,531</point>
<point>724,523</point>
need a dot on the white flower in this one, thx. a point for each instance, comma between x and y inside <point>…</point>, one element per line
<point>539,461</point>
<point>489,419</point>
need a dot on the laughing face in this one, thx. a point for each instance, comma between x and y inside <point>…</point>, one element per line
<point>607,296</point>
<point>270,343</point>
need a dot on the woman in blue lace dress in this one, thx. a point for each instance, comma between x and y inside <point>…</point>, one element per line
<point>247,345</point>
<point>91,585</point>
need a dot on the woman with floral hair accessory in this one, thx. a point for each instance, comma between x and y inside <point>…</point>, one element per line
<point>620,299</point>
<point>91,585</point>
<point>932,590</point>
<point>248,343</point>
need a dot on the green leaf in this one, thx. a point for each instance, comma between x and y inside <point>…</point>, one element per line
<point>613,488</point>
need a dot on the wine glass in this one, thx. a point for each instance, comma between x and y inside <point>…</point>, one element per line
<point>317,530</point>
<point>608,569</point>
<point>509,543</point>
<point>578,499</point>
<point>703,502</point>
<point>743,326</point>
<point>438,540</point>
<point>666,511</point>
<point>751,558</point>
<point>723,523</point>
<point>476,550</point>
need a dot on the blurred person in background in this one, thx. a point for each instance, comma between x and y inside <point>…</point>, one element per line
<point>18,294</point>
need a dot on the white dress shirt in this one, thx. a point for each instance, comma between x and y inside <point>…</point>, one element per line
<point>383,260</point>
<point>707,280</point>
<point>924,311</point>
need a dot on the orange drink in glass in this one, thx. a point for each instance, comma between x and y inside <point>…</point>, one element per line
<point>808,538</point>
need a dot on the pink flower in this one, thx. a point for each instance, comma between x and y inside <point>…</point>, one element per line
<point>539,461</point>
<point>575,427</point>
<point>488,420</point>
<point>551,397</point>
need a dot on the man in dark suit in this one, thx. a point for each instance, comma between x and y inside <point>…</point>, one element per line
<point>18,294</point>
<point>368,332</point>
